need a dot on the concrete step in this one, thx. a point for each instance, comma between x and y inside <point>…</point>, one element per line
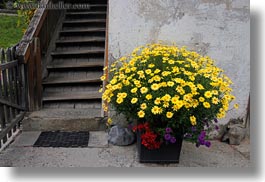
<point>64,120</point>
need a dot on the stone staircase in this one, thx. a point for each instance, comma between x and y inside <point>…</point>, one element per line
<point>71,100</point>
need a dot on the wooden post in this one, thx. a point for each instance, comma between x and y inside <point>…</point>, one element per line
<point>34,76</point>
<point>38,86</point>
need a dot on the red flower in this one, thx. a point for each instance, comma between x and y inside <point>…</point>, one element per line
<point>149,138</point>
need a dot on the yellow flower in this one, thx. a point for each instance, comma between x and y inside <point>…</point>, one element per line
<point>157,71</point>
<point>236,106</point>
<point>148,71</point>
<point>134,100</point>
<point>157,101</point>
<point>208,94</point>
<point>170,83</point>
<point>148,96</point>
<point>109,121</point>
<point>113,81</point>
<point>166,98</point>
<point>171,61</point>
<point>151,65</point>
<point>144,90</point>
<point>206,105</point>
<point>169,114</point>
<point>134,90</point>
<point>154,86</point>
<point>201,99</point>
<point>200,86</point>
<point>103,78</point>
<point>143,106</point>
<point>174,100</point>
<point>141,114</point>
<point>156,110</point>
<point>119,100</point>
<point>215,100</point>
<point>193,120</point>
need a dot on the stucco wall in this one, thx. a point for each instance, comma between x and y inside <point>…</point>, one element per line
<point>218,28</point>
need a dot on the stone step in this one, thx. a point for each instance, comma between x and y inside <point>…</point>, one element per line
<point>64,120</point>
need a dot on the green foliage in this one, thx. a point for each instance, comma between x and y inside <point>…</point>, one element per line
<point>10,33</point>
<point>25,15</point>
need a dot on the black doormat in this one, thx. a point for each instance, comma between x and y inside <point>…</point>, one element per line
<point>62,139</point>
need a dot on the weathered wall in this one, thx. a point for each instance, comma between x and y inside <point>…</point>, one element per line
<point>218,28</point>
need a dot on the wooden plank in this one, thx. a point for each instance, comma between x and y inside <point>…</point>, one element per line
<point>71,96</point>
<point>38,87</point>
<point>77,52</point>
<point>31,79</point>
<point>82,30</point>
<point>15,76</point>
<point>75,65</point>
<point>54,81</point>
<point>83,21</point>
<point>84,40</point>
<point>5,88</point>
<point>11,125</point>
<point>86,13</point>
<point>2,115</point>
<point>8,65</point>
<point>11,94</point>
<point>10,104</point>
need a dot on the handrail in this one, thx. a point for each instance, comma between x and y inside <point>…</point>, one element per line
<point>33,49</point>
<point>23,49</point>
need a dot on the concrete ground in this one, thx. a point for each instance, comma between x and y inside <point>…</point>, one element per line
<point>101,154</point>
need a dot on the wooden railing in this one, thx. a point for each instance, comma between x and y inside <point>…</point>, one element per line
<point>12,94</point>
<point>32,52</point>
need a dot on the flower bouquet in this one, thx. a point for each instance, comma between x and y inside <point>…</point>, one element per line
<point>170,91</point>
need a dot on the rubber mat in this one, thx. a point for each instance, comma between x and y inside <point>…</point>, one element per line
<point>62,139</point>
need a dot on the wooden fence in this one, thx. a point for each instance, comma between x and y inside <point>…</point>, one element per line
<point>12,94</point>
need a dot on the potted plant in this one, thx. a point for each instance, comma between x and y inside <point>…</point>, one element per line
<point>172,93</point>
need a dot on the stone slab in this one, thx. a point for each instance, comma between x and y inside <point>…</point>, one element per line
<point>26,139</point>
<point>219,155</point>
<point>98,139</point>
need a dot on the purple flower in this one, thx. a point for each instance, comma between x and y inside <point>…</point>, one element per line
<point>193,129</point>
<point>216,127</point>
<point>207,144</point>
<point>167,136</point>
<point>215,120</point>
<point>173,140</point>
<point>203,133</point>
<point>168,130</point>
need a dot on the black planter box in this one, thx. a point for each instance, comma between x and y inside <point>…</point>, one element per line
<point>167,153</point>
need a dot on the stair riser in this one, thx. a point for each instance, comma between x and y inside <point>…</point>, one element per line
<point>96,44</point>
<point>86,55</point>
<point>92,9</point>
<point>93,87</point>
<point>85,16</point>
<point>54,124</point>
<point>87,1</point>
<point>84,33</point>
<point>67,26</point>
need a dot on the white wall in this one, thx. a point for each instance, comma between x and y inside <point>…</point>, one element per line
<point>218,28</point>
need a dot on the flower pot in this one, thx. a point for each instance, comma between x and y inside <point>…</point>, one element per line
<point>167,153</point>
